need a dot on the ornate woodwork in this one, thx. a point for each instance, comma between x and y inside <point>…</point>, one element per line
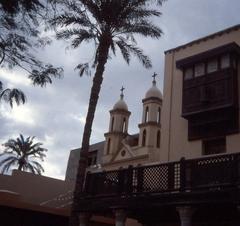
<point>210,97</point>
<point>151,193</point>
<point>195,174</point>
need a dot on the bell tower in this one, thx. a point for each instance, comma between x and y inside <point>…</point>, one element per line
<point>118,128</point>
<point>150,128</point>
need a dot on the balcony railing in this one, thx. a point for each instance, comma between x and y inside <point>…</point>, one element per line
<point>217,172</point>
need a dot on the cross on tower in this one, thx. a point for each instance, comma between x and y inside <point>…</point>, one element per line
<point>122,89</point>
<point>154,76</point>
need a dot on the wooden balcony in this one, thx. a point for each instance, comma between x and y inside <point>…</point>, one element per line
<point>208,181</point>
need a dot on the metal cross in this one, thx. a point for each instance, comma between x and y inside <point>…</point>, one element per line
<point>154,76</point>
<point>122,89</point>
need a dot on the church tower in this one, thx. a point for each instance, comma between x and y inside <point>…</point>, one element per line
<point>118,128</point>
<point>150,128</point>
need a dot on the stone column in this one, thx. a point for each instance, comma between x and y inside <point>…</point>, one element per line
<point>120,217</point>
<point>84,219</point>
<point>185,214</point>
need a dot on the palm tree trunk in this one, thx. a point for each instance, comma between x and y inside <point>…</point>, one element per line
<point>20,166</point>
<point>103,50</point>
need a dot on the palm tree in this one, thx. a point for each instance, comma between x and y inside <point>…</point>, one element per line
<point>21,153</point>
<point>110,24</point>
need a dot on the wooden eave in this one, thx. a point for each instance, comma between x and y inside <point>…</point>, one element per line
<point>203,39</point>
<point>228,48</point>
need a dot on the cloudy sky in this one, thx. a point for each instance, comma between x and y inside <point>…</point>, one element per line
<point>56,114</point>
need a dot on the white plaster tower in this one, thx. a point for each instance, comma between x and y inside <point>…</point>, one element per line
<point>150,128</point>
<point>118,128</point>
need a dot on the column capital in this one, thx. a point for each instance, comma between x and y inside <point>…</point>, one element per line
<point>84,218</point>
<point>185,211</point>
<point>185,214</point>
<point>120,215</point>
<point>238,208</point>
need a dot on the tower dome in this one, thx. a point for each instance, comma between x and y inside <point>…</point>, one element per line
<point>121,104</point>
<point>153,91</point>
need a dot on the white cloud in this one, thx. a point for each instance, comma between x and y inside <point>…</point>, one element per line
<point>14,78</point>
<point>20,114</point>
<point>79,118</point>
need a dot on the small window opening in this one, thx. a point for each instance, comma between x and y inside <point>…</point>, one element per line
<point>159,115</point>
<point>158,139</point>
<point>214,146</point>
<point>108,146</point>
<point>188,74</point>
<point>124,125</point>
<point>144,138</point>
<point>146,114</point>
<point>199,69</point>
<point>225,61</point>
<point>112,123</point>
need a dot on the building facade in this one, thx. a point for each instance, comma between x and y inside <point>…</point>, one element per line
<point>184,165</point>
<point>201,97</point>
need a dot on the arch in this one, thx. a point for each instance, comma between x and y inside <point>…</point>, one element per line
<point>146,114</point>
<point>124,126</point>
<point>144,138</point>
<point>108,145</point>
<point>112,124</point>
<point>158,139</point>
<point>159,115</point>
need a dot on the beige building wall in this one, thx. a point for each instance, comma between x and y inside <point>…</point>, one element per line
<point>174,139</point>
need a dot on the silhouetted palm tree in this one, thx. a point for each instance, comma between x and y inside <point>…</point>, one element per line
<point>109,24</point>
<point>21,153</point>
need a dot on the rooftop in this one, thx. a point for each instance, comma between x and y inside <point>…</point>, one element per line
<point>197,41</point>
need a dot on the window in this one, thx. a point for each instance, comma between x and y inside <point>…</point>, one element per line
<point>188,74</point>
<point>159,115</point>
<point>199,69</point>
<point>146,115</point>
<point>212,66</point>
<point>144,138</point>
<point>112,123</point>
<point>234,63</point>
<point>214,146</point>
<point>225,61</point>
<point>124,125</point>
<point>158,138</point>
<point>108,146</point>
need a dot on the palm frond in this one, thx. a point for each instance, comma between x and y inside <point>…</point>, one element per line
<point>11,147</point>
<point>37,166</point>
<point>13,95</point>
<point>85,36</point>
<point>43,77</point>
<point>29,167</point>
<point>144,28</point>
<point>126,49</point>
<point>7,163</point>
<point>113,48</point>
<point>144,13</point>
<point>67,19</point>
<point>7,159</point>
<point>83,68</point>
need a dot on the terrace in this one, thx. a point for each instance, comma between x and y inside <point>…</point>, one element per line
<point>163,192</point>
